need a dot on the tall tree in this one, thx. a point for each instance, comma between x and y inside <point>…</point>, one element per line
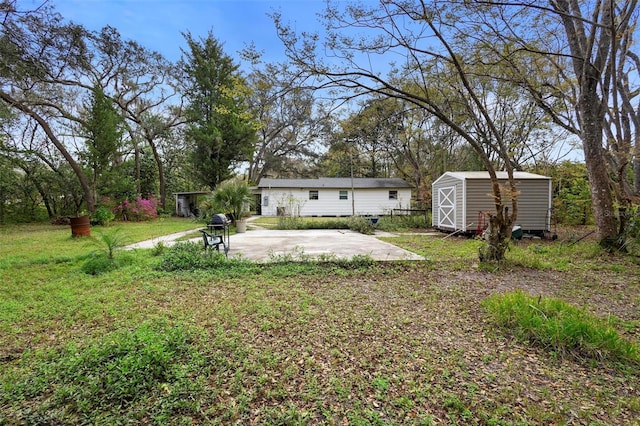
<point>291,121</point>
<point>103,129</point>
<point>221,128</point>
<point>36,49</point>
<point>48,66</point>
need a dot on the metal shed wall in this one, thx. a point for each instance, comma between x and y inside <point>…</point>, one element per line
<point>533,203</point>
<point>475,195</point>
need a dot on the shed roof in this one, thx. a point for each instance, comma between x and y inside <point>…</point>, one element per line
<point>500,175</point>
<point>334,183</point>
<point>192,193</point>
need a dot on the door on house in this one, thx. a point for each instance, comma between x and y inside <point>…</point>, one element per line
<point>447,207</point>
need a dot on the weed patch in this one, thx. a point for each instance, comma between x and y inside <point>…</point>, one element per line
<point>135,375</point>
<point>188,256</point>
<point>560,327</point>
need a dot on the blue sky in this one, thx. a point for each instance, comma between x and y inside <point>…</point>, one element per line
<point>158,24</point>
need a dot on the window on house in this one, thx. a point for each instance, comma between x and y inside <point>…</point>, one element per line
<point>313,195</point>
<point>393,195</point>
<point>344,195</point>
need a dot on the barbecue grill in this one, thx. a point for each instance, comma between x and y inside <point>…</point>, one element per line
<point>219,226</point>
<point>219,221</point>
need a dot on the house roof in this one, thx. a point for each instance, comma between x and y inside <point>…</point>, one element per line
<point>334,183</point>
<point>500,175</point>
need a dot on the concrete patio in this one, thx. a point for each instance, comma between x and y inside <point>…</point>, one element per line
<point>264,245</point>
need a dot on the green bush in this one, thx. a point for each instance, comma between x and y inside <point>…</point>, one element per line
<point>187,256</point>
<point>102,216</point>
<point>360,224</point>
<point>98,264</point>
<point>327,224</point>
<point>631,233</point>
<point>402,222</point>
<point>297,222</point>
<point>110,241</point>
<point>559,326</point>
<point>290,222</point>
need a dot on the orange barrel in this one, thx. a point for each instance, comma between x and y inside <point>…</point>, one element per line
<point>80,226</point>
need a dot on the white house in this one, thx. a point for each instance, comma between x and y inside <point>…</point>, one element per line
<point>332,196</point>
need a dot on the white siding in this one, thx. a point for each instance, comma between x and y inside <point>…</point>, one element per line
<point>367,201</point>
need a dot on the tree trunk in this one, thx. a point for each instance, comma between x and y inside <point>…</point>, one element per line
<point>591,119</point>
<point>636,170</point>
<point>136,157</point>
<point>161,179</point>
<point>500,227</point>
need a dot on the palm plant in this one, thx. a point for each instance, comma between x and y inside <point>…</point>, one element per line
<point>233,197</point>
<point>111,241</point>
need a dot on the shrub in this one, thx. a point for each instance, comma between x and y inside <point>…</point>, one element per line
<point>188,256</point>
<point>631,233</point>
<point>111,241</point>
<point>559,326</point>
<point>402,222</point>
<point>361,224</point>
<point>233,197</point>
<point>102,216</point>
<point>159,248</point>
<point>327,224</point>
<point>98,264</point>
<point>290,222</point>
<point>140,210</point>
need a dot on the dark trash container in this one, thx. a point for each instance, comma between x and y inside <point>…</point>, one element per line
<point>516,232</point>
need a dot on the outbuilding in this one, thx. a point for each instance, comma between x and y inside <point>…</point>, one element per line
<point>187,202</point>
<point>461,201</point>
<point>332,196</point>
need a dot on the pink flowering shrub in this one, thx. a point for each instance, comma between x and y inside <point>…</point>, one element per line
<point>140,210</point>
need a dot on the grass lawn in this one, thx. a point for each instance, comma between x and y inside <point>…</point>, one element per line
<point>304,343</point>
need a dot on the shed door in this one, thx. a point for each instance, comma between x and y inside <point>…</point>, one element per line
<point>447,207</point>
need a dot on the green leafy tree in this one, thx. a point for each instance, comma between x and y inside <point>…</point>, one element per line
<point>39,51</point>
<point>571,195</point>
<point>220,129</point>
<point>103,130</point>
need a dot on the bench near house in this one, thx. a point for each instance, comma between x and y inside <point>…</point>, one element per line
<point>332,196</point>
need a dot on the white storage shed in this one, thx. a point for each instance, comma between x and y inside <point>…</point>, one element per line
<point>460,199</point>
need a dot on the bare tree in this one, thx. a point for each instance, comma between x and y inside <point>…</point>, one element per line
<point>574,52</point>
<point>423,37</point>
<point>291,121</point>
